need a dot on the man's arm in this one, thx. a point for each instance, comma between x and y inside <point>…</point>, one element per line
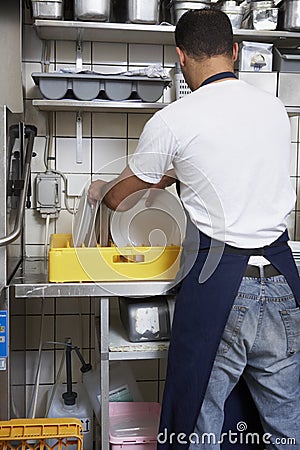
<point>117,194</point>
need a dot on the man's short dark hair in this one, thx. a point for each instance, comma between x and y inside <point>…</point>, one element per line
<point>204,33</point>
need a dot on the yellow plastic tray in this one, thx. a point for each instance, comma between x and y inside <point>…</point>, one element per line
<point>69,264</point>
<point>32,434</point>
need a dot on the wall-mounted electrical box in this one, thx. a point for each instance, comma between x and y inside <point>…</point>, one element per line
<point>48,193</point>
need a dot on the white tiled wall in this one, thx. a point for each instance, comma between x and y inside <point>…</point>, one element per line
<point>108,140</point>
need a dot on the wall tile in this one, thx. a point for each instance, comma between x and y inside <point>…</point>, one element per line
<point>170,56</point>
<point>294,128</point>
<point>17,337</point>
<point>149,390</point>
<point>144,370</point>
<point>294,157</point>
<point>109,155</point>
<point>66,52</point>
<point>34,306</point>
<point>32,45</point>
<point>18,405</point>
<point>66,124</point>
<point>75,326</point>
<point>71,67</point>
<point>33,324</point>
<point>145,54</point>
<point>42,398</point>
<point>37,163</point>
<point>35,227</point>
<point>161,391</point>
<point>80,305</point>
<point>162,368</point>
<point>64,222</point>
<point>47,367</point>
<point>109,125</point>
<point>66,156</point>
<point>109,53</point>
<point>31,90</point>
<point>297,226</point>
<point>34,251</point>
<point>34,117</point>
<point>76,184</point>
<point>132,145</point>
<point>18,367</point>
<point>291,226</point>
<point>108,69</point>
<point>136,123</point>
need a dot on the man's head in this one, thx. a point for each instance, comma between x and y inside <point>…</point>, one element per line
<point>204,33</point>
<point>204,43</point>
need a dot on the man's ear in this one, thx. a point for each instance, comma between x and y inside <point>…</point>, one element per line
<point>235,51</point>
<point>181,56</point>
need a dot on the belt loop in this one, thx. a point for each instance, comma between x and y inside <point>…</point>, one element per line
<point>261,272</point>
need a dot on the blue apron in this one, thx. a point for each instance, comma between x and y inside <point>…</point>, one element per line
<point>200,316</point>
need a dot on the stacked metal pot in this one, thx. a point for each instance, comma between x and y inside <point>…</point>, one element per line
<point>180,7</point>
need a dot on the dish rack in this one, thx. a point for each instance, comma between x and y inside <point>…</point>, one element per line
<point>32,434</point>
<point>70,264</point>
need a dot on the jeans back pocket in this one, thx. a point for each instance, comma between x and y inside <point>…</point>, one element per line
<point>291,321</point>
<point>232,328</point>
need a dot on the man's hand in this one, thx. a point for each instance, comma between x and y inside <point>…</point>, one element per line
<point>96,191</point>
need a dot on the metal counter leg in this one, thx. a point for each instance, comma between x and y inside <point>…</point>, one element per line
<point>104,371</point>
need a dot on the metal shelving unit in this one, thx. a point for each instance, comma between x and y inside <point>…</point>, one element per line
<point>97,106</point>
<point>33,282</point>
<point>143,34</point>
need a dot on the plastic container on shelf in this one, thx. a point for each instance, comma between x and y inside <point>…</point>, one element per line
<point>286,60</point>
<point>122,385</point>
<point>98,10</point>
<point>47,9</point>
<point>86,87</point>
<point>147,319</point>
<point>133,426</point>
<point>81,410</point>
<point>35,433</point>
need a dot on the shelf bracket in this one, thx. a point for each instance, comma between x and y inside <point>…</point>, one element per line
<point>79,155</point>
<point>78,55</point>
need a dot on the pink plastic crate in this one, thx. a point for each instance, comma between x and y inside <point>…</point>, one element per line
<point>133,425</point>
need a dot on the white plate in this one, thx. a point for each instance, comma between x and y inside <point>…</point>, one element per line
<point>81,221</point>
<point>161,224</point>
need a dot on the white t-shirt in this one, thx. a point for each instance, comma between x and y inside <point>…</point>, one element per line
<point>229,144</point>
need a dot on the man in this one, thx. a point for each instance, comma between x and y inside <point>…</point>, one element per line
<point>228,143</point>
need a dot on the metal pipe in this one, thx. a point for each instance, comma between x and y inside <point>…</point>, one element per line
<point>5,240</point>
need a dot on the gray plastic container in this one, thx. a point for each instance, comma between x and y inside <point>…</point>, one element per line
<point>146,319</point>
<point>55,86</point>
<point>286,60</point>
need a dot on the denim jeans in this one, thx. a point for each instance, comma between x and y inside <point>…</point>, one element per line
<point>261,342</point>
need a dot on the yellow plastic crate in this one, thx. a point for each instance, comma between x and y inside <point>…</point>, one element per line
<point>69,264</point>
<point>32,434</point>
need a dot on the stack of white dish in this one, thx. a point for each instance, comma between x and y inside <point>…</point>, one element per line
<point>159,225</point>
